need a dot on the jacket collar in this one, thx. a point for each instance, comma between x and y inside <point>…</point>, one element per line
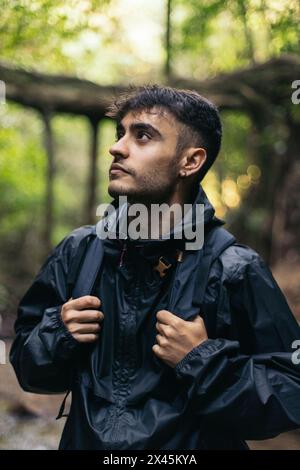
<point>152,248</point>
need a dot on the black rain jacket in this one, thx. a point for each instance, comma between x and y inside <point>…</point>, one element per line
<point>242,383</point>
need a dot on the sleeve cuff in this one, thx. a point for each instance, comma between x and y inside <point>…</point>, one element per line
<point>207,349</point>
<point>57,339</point>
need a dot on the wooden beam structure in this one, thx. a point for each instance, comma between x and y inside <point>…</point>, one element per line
<point>260,83</point>
<point>262,91</point>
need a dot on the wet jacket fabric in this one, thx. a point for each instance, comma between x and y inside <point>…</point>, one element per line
<point>242,383</point>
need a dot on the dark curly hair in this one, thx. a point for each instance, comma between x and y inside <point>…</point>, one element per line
<point>200,119</point>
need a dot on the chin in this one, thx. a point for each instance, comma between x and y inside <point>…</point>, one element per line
<point>116,189</point>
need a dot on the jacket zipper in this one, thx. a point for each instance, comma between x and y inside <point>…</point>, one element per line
<point>124,249</point>
<point>120,401</point>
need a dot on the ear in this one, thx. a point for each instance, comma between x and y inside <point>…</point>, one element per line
<point>192,161</point>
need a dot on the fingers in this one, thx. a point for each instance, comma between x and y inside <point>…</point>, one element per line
<point>82,303</point>
<point>164,330</point>
<point>82,322</point>
<point>167,318</point>
<point>88,316</point>
<point>88,338</point>
<point>198,319</point>
<point>84,328</point>
<point>82,316</point>
<point>161,340</point>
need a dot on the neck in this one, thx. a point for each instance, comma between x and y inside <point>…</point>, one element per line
<point>168,218</point>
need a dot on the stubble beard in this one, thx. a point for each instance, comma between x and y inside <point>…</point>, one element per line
<point>148,189</point>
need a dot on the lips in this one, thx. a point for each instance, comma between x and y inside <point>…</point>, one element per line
<point>117,169</point>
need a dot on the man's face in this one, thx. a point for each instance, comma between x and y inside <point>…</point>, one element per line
<point>146,148</point>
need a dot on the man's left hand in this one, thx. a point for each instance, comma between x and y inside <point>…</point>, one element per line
<point>177,337</point>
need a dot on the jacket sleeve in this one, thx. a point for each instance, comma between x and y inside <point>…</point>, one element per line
<point>43,350</point>
<point>249,381</point>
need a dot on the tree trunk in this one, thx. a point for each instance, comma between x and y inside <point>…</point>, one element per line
<point>50,173</point>
<point>90,215</point>
<point>286,211</point>
<point>168,47</point>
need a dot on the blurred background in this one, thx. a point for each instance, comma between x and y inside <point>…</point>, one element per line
<point>61,62</point>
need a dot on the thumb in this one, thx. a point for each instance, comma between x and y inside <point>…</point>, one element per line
<point>198,319</point>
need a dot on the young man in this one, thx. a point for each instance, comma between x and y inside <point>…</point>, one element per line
<point>195,351</point>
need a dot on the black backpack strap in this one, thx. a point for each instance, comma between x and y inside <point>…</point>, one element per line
<point>89,263</point>
<point>217,240</point>
<point>89,269</point>
<point>61,413</point>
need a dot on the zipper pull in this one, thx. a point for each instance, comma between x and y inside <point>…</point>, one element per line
<point>162,266</point>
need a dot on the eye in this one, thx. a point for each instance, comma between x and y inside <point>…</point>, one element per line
<point>143,136</point>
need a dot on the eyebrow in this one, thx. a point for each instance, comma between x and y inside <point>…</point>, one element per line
<point>139,126</point>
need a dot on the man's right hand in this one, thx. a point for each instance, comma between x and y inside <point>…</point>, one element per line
<point>82,322</point>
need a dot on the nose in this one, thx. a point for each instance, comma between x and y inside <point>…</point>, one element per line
<point>119,148</point>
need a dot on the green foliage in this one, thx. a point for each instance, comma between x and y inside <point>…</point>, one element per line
<point>34,31</point>
<point>122,42</point>
<point>213,36</point>
<point>22,167</point>
<point>232,175</point>
<point>107,137</point>
<point>236,131</point>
